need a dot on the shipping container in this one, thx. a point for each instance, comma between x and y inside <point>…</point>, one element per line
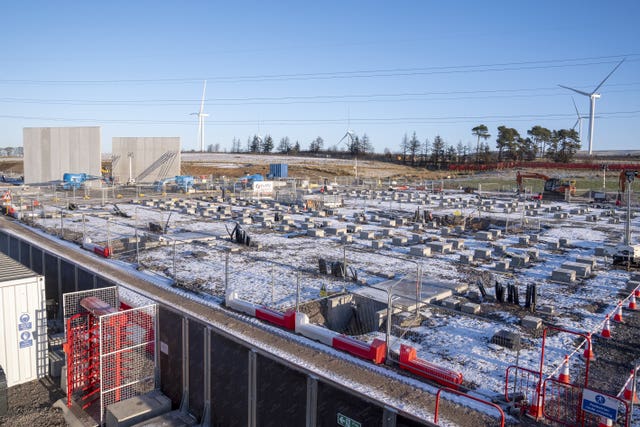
<point>23,323</point>
<point>278,170</point>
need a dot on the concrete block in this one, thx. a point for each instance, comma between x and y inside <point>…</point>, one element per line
<point>632,285</point>
<point>553,246</point>
<point>590,261</point>
<point>388,223</point>
<point>531,322</point>
<point>523,240</point>
<point>519,260</point>
<point>377,244</point>
<point>354,228</point>
<point>484,235</point>
<point>315,232</point>
<point>137,409</point>
<point>440,247</point>
<point>456,244</point>
<point>564,242</point>
<point>507,339</point>
<point>335,231</point>
<point>534,254</point>
<point>368,235</point>
<point>399,241</point>
<point>564,276</point>
<point>466,258</point>
<point>170,419</point>
<point>470,308</point>
<point>499,249</point>
<point>482,253</point>
<point>451,303</point>
<point>546,309</point>
<point>459,229</point>
<point>503,265</point>
<point>474,295</point>
<point>444,231</point>
<point>582,270</point>
<point>347,238</point>
<point>56,362</point>
<point>420,251</point>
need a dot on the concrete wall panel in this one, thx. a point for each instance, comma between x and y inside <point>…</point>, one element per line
<point>152,158</point>
<point>51,152</point>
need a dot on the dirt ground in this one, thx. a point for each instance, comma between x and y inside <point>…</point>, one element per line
<point>30,405</point>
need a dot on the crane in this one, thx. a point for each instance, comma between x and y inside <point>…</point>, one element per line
<point>553,187</point>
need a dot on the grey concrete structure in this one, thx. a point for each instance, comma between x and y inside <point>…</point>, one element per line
<point>50,152</point>
<point>152,158</point>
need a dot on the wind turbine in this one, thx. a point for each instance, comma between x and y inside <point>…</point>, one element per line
<point>350,134</point>
<point>578,122</point>
<point>593,96</point>
<point>201,115</point>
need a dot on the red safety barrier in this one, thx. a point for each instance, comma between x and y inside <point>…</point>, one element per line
<point>562,404</point>
<point>102,251</point>
<point>523,389</point>
<point>285,320</point>
<point>409,361</point>
<point>542,165</point>
<point>376,351</point>
<point>466,396</point>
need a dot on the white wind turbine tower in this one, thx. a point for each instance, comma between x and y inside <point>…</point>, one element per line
<point>201,115</point>
<point>593,96</point>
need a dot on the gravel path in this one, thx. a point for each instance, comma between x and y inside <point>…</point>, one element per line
<point>30,405</point>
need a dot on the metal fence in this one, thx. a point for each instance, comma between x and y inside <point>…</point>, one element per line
<point>127,355</point>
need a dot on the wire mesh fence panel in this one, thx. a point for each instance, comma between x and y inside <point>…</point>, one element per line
<point>127,354</point>
<point>71,300</point>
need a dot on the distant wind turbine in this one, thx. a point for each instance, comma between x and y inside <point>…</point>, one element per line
<point>593,96</point>
<point>578,122</point>
<point>201,116</point>
<point>350,134</point>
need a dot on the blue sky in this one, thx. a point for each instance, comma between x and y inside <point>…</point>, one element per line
<point>308,69</point>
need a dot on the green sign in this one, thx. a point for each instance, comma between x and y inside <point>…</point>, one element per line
<point>345,421</point>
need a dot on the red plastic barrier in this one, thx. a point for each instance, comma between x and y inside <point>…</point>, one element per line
<point>286,320</point>
<point>409,361</point>
<point>376,351</point>
<point>102,251</point>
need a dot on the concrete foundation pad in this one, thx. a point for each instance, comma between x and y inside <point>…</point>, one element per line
<point>132,411</point>
<point>470,308</point>
<point>171,419</point>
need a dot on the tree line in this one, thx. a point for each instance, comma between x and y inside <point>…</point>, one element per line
<point>537,143</point>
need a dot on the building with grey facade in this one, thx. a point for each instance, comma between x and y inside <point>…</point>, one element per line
<point>144,159</point>
<point>50,152</point>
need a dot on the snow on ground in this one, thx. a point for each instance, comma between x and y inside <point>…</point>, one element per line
<point>270,275</point>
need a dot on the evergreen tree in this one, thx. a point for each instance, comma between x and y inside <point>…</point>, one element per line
<point>414,148</point>
<point>267,144</point>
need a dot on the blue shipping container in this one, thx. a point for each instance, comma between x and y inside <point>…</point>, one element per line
<point>279,170</point>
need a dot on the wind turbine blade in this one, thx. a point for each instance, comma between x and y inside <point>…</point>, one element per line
<point>608,75</point>
<point>576,90</point>
<point>204,89</point>
<point>575,124</point>
<point>576,107</point>
<point>342,139</point>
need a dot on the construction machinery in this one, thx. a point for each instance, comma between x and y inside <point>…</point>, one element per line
<point>554,188</point>
<point>184,183</point>
<point>74,181</point>
<point>626,253</point>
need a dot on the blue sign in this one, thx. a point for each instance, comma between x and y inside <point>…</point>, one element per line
<point>25,339</point>
<point>598,404</point>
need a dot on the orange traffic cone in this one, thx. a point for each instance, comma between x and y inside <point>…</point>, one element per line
<point>588,351</point>
<point>630,390</point>
<point>606,330</point>
<point>564,374</point>
<point>618,316</point>
<point>632,302</point>
<point>636,292</point>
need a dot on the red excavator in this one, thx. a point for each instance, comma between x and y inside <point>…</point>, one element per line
<point>554,188</point>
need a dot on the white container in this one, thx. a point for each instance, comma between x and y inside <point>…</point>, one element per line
<point>23,323</point>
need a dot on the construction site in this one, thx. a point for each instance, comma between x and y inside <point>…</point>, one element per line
<point>483,299</point>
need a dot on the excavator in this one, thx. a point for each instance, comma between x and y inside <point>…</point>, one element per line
<point>554,188</point>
